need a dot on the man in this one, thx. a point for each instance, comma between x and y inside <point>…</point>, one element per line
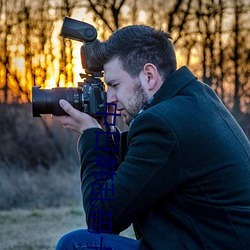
<point>184,181</point>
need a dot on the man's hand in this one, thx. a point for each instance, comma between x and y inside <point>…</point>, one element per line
<point>76,121</point>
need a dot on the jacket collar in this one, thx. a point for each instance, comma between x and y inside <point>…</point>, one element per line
<point>173,84</point>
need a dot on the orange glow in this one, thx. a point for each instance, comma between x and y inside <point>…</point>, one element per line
<point>142,16</point>
<point>180,59</point>
<point>43,68</point>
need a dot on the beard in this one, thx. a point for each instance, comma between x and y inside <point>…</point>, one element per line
<point>135,103</point>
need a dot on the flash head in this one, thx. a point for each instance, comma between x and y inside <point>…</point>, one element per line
<point>86,33</point>
<point>76,30</point>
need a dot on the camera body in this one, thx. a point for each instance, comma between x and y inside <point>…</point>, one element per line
<point>90,96</point>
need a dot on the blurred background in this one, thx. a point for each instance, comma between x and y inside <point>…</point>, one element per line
<point>38,160</point>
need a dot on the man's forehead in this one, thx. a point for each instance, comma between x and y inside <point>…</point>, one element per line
<point>113,63</point>
<point>112,69</point>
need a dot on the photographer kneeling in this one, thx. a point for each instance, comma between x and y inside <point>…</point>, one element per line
<point>183,180</point>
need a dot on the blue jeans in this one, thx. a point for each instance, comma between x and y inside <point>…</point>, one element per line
<point>83,240</point>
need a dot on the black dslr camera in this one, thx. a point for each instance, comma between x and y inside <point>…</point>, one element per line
<point>90,96</point>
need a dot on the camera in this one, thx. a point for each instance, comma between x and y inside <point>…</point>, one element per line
<point>90,96</point>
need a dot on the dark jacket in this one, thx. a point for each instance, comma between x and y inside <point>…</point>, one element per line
<point>185,179</point>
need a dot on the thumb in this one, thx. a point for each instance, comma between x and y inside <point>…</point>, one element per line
<point>66,106</point>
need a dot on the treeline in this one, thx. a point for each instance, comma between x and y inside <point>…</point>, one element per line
<point>211,37</point>
<point>38,159</point>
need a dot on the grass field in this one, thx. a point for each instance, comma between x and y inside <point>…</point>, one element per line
<point>40,229</point>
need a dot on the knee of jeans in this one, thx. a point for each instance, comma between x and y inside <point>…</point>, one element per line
<point>70,240</point>
<point>62,242</point>
<point>66,242</point>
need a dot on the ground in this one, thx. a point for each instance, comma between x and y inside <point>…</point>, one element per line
<point>40,229</point>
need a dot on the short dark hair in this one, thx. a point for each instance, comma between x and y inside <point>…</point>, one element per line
<point>135,46</point>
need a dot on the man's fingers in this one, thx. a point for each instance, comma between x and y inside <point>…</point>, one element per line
<point>75,120</point>
<point>68,108</point>
<point>60,119</point>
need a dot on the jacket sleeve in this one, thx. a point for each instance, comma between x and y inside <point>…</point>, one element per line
<point>148,173</point>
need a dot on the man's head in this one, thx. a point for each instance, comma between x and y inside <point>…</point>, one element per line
<point>136,61</point>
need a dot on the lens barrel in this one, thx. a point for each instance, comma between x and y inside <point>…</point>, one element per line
<point>46,101</point>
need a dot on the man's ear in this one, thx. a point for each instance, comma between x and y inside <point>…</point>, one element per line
<point>152,75</point>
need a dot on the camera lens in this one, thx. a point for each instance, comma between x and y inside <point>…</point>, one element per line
<point>46,101</point>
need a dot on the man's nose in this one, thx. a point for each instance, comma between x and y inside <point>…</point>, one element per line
<point>111,97</point>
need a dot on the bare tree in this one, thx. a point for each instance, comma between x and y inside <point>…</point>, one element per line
<point>4,56</point>
<point>217,31</point>
<point>11,77</point>
<point>239,53</point>
<point>66,8</point>
<point>107,11</point>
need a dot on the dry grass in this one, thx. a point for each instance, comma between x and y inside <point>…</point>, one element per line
<point>40,229</point>
<point>39,183</point>
<point>36,229</point>
<point>39,165</point>
<point>20,188</point>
